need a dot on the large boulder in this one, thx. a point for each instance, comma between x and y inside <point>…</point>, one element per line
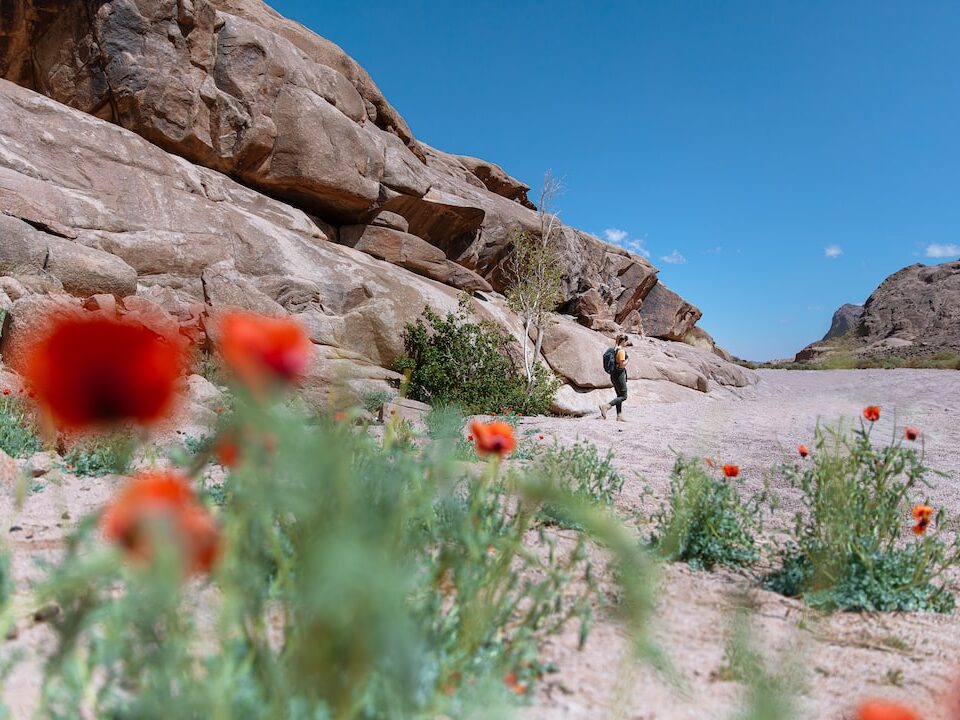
<point>666,315</point>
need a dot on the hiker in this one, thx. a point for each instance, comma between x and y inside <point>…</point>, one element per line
<point>615,361</point>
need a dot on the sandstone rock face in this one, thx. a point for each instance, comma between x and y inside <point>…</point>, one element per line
<point>667,315</point>
<point>232,86</point>
<point>844,320</point>
<point>914,312</point>
<point>183,158</point>
<point>919,304</point>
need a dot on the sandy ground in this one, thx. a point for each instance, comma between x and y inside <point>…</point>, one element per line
<point>841,658</point>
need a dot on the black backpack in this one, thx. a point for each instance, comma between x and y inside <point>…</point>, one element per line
<point>610,360</point>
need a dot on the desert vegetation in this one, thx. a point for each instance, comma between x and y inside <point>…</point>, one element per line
<point>305,565</point>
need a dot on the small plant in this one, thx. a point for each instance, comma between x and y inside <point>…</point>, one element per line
<point>104,456</point>
<point>847,548</point>
<point>584,472</point>
<point>18,433</point>
<point>705,521</point>
<point>453,359</point>
<point>373,400</point>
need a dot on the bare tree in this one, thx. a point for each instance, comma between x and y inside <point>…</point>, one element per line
<point>534,276</point>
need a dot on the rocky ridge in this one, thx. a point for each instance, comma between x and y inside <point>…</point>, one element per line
<point>183,156</point>
<point>913,313</point>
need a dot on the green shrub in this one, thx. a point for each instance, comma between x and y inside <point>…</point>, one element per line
<point>359,579</point>
<point>705,522</point>
<point>455,360</point>
<point>18,433</point>
<point>103,456</point>
<point>582,471</point>
<point>847,548</point>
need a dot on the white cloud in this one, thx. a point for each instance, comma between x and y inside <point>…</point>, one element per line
<point>714,250</point>
<point>615,235</point>
<point>942,251</point>
<point>674,258</point>
<point>833,251</point>
<point>623,239</point>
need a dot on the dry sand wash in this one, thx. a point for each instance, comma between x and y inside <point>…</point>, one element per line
<point>846,656</point>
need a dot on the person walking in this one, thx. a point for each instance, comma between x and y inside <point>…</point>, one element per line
<point>615,362</point>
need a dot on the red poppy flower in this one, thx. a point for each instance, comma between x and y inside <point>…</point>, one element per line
<point>871,413</point>
<point>6,391</point>
<point>923,515</point>
<point>731,471</point>
<point>510,680</point>
<point>227,451</point>
<point>495,438</point>
<point>162,501</point>
<point>339,416</point>
<point>539,437</point>
<point>911,433</point>
<point>90,370</point>
<point>881,710</point>
<point>803,450</point>
<point>263,350</point>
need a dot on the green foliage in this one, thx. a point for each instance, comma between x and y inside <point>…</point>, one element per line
<point>103,456</point>
<point>847,548</point>
<point>360,579</point>
<point>18,433</point>
<point>588,476</point>
<point>705,521</point>
<point>455,360</point>
<point>373,400</point>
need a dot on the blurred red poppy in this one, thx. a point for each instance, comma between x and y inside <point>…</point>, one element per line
<point>91,370</point>
<point>731,471</point>
<point>156,502</point>
<point>263,350</point>
<point>494,438</point>
<point>871,413</point>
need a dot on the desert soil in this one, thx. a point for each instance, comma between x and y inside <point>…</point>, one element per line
<point>841,658</point>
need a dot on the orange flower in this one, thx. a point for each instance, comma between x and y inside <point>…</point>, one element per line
<point>710,462</point>
<point>731,471</point>
<point>871,413</point>
<point>227,451</point>
<point>911,433</point>
<point>162,500</point>
<point>803,450</point>
<point>339,416</point>
<point>495,438</point>
<point>510,680</point>
<point>263,350</point>
<point>93,370</point>
<point>881,710</point>
<point>922,514</point>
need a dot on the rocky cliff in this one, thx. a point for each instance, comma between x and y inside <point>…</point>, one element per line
<point>913,313</point>
<point>194,154</point>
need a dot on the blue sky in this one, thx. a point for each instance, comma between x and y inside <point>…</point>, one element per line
<point>775,158</point>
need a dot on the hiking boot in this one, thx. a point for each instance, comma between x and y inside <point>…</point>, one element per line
<point>620,418</point>
<point>603,411</point>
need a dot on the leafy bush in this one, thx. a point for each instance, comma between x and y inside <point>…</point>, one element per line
<point>103,456</point>
<point>705,521</point>
<point>847,548</point>
<point>18,433</point>
<point>455,360</point>
<point>359,579</point>
<point>580,469</point>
